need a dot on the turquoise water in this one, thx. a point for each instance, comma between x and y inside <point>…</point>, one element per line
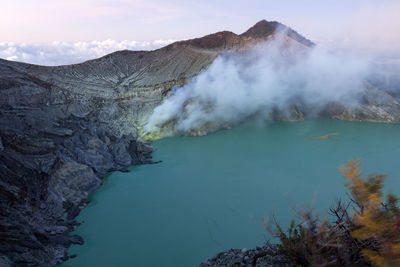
<point>213,193</point>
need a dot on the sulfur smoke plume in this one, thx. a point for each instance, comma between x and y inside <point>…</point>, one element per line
<point>274,75</point>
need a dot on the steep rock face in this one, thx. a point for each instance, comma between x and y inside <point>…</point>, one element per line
<point>50,162</point>
<point>62,129</point>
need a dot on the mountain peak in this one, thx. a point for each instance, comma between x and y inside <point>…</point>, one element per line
<point>227,40</point>
<point>265,28</point>
<point>262,28</point>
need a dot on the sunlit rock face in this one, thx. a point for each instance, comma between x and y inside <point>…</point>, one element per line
<point>63,128</point>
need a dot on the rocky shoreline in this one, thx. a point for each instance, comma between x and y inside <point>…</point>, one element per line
<point>46,183</point>
<point>247,257</point>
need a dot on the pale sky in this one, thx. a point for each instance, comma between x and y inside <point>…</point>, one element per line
<point>45,31</point>
<point>145,20</point>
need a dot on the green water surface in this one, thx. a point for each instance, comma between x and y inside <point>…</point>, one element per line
<point>214,192</point>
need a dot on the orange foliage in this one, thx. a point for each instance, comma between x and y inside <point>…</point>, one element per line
<point>375,221</point>
<point>365,232</point>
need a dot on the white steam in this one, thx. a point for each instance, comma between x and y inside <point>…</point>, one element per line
<point>272,75</point>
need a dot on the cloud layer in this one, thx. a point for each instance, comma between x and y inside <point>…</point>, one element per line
<point>60,53</point>
<point>236,87</point>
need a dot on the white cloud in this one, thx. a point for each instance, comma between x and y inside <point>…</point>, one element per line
<point>60,53</point>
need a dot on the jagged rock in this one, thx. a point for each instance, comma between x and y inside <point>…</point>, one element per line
<point>5,262</point>
<point>73,182</point>
<point>245,257</point>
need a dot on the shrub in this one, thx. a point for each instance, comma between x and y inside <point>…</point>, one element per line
<point>364,232</point>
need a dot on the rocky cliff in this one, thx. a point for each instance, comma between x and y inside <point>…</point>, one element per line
<point>62,129</point>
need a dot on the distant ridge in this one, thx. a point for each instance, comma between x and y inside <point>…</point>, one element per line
<point>227,39</point>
